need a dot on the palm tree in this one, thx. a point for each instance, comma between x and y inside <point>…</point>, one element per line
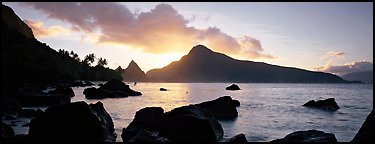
<point>89,59</point>
<point>74,56</point>
<point>102,62</point>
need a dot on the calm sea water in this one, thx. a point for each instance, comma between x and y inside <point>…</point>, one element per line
<point>267,111</point>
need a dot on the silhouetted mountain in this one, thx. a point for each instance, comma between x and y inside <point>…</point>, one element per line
<point>133,73</point>
<point>364,76</point>
<point>26,60</point>
<point>203,65</point>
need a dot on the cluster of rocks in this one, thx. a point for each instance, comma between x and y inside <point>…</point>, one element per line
<point>192,123</point>
<point>111,89</point>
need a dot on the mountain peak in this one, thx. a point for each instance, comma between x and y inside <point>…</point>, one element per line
<point>134,73</point>
<point>200,49</point>
<point>13,22</point>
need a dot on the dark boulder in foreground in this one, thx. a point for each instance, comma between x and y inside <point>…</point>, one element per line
<point>148,118</point>
<point>9,106</point>
<point>192,123</point>
<point>39,95</point>
<point>111,89</point>
<point>233,87</point>
<point>222,107</point>
<point>163,89</point>
<point>240,138</point>
<point>366,132</point>
<point>308,136</point>
<point>327,104</point>
<point>73,122</point>
<point>30,113</point>
<point>6,131</point>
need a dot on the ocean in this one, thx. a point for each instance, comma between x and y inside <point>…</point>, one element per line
<point>268,111</point>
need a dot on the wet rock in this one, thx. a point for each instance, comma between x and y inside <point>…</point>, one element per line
<point>327,104</point>
<point>222,107</point>
<point>163,89</point>
<point>30,113</point>
<point>6,131</point>
<point>190,124</point>
<point>73,122</point>
<point>233,87</point>
<point>35,95</point>
<point>68,91</point>
<point>140,135</point>
<point>240,138</point>
<point>308,136</point>
<point>366,132</point>
<point>111,89</point>
<point>9,106</point>
<point>147,118</point>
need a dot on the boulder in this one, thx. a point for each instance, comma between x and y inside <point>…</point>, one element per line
<point>147,118</point>
<point>163,89</point>
<point>63,90</point>
<point>327,104</point>
<point>6,131</point>
<point>240,138</point>
<point>140,135</point>
<point>29,113</point>
<point>73,122</point>
<point>111,89</point>
<point>366,132</point>
<point>233,87</point>
<point>308,136</point>
<point>9,106</point>
<point>190,124</point>
<point>222,107</point>
<point>36,95</point>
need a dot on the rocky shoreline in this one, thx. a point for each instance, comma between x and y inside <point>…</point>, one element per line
<point>83,122</point>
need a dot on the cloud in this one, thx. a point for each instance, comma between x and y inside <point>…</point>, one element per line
<point>40,31</point>
<point>161,30</point>
<point>333,54</point>
<point>355,66</point>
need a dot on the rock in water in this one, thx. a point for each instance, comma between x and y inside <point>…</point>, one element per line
<point>73,122</point>
<point>6,131</point>
<point>327,104</point>
<point>111,89</point>
<point>308,136</point>
<point>366,132</point>
<point>190,124</point>
<point>240,138</point>
<point>222,107</point>
<point>233,87</point>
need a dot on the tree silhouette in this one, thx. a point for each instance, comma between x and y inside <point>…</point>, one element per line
<point>74,56</point>
<point>102,62</point>
<point>89,59</point>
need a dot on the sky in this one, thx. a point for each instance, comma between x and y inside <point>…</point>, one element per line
<point>335,37</point>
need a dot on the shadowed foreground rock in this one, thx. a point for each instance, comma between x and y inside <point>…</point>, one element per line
<point>327,104</point>
<point>222,107</point>
<point>240,138</point>
<point>366,132</point>
<point>74,122</point>
<point>41,95</point>
<point>233,87</point>
<point>111,89</point>
<point>308,136</point>
<point>191,123</point>
<point>6,131</point>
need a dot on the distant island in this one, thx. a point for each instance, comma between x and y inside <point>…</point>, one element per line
<point>363,76</point>
<point>204,65</point>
